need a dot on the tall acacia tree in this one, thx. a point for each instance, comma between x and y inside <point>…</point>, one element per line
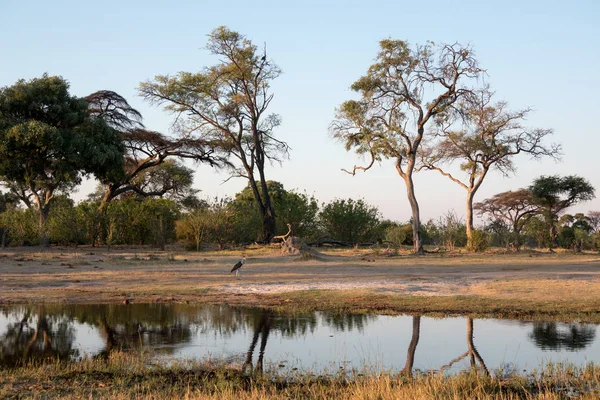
<point>482,135</point>
<point>227,104</point>
<point>48,140</point>
<point>393,115</point>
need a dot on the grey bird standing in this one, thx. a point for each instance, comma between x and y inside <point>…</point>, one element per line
<point>238,265</point>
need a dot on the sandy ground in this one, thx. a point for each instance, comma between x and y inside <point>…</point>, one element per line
<point>96,275</point>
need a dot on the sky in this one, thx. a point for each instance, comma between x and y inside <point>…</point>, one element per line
<point>538,54</point>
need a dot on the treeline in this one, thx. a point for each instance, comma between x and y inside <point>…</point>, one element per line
<point>50,139</point>
<point>222,223</point>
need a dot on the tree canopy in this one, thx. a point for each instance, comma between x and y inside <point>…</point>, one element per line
<point>556,193</point>
<point>48,140</point>
<point>390,119</point>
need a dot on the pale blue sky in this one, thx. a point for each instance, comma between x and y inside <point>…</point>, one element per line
<point>543,54</point>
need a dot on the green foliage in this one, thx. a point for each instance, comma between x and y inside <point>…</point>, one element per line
<point>478,241</point>
<point>150,221</point>
<point>212,223</point>
<point>297,209</point>
<point>555,193</point>
<point>398,235</point>
<point>48,140</point>
<point>21,225</point>
<point>93,220</point>
<point>451,231</point>
<point>348,220</point>
<point>65,225</point>
<point>536,232</point>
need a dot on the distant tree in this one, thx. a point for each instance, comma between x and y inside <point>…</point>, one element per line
<point>47,141</point>
<point>514,207</point>
<point>393,117</point>
<point>226,105</point>
<point>553,194</point>
<point>482,135</point>
<point>574,231</point>
<point>594,220</point>
<point>536,231</point>
<point>348,220</point>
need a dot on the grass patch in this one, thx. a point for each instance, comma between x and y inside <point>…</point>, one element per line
<point>130,376</point>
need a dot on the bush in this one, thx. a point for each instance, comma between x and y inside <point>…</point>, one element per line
<point>398,235</point>
<point>22,226</point>
<point>479,241</point>
<point>352,221</point>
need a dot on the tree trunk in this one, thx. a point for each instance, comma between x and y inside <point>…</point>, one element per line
<point>416,217</point>
<point>268,208</point>
<point>3,239</point>
<point>469,219</point>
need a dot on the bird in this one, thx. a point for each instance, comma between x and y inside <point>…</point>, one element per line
<point>238,265</point>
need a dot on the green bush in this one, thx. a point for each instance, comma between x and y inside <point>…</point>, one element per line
<point>479,241</point>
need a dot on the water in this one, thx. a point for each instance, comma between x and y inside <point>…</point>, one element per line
<point>319,342</point>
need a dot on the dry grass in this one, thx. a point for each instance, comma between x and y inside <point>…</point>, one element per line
<point>128,376</point>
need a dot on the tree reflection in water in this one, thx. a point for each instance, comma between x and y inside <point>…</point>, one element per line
<point>571,337</point>
<point>471,352</point>
<point>262,328</point>
<point>412,346</point>
<point>37,337</point>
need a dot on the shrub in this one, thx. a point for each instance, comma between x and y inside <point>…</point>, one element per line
<point>479,241</point>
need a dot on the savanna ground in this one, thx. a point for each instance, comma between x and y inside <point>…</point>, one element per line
<point>528,285</point>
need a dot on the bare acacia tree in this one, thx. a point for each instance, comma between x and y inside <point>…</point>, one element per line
<point>149,172</point>
<point>146,172</point>
<point>516,207</point>
<point>482,135</point>
<point>227,104</point>
<point>392,116</point>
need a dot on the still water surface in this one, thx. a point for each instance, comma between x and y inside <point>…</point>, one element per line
<point>320,341</point>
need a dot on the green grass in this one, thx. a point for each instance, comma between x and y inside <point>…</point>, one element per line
<point>133,376</point>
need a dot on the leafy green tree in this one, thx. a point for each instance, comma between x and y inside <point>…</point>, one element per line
<point>482,135</point>
<point>348,220</point>
<point>47,141</point>
<point>554,194</point>
<point>575,231</point>
<point>393,116</point>
<point>226,105</point>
